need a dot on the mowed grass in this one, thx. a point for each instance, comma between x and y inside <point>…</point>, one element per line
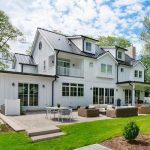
<point>77,135</point>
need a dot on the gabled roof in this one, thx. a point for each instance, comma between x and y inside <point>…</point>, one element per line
<point>25,59</point>
<point>62,43</point>
<point>108,53</point>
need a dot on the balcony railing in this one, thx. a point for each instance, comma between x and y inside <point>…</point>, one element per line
<point>69,71</point>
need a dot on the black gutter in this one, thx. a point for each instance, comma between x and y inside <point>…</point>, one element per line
<point>117,72</point>
<point>54,80</point>
<point>24,73</point>
<point>83,44</point>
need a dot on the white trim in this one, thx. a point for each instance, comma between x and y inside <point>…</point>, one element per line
<point>108,53</point>
<point>139,62</point>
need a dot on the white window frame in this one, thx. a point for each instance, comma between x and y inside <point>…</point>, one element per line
<point>106,69</point>
<point>87,46</point>
<point>119,55</point>
<point>77,86</point>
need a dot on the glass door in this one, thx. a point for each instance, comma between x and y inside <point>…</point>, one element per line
<point>128,96</point>
<point>28,94</point>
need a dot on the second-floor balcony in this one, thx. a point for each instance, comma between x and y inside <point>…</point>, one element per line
<point>66,71</point>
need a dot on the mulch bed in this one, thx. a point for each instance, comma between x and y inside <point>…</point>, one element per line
<point>5,128</point>
<point>142,142</point>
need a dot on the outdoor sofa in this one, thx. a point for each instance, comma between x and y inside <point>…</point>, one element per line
<point>88,112</point>
<point>122,112</point>
<point>144,109</point>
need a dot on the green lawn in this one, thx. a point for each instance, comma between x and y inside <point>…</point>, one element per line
<point>77,135</point>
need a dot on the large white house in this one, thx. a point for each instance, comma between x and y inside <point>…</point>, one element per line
<point>72,71</point>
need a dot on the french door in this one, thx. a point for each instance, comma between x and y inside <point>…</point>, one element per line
<point>128,96</point>
<point>103,96</point>
<point>28,94</point>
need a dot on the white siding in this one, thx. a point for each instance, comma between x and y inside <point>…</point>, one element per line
<point>78,42</point>
<point>29,69</point>
<point>11,92</point>
<point>43,55</point>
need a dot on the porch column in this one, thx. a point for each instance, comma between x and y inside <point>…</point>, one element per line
<point>133,94</point>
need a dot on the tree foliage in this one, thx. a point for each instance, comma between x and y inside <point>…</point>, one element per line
<point>145,34</point>
<point>146,61</point>
<point>7,32</point>
<point>113,41</point>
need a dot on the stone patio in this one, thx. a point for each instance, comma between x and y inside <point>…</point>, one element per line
<point>38,127</point>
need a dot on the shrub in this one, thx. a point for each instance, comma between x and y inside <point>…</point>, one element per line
<point>131,131</point>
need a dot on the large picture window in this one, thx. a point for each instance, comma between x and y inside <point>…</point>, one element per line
<point>28,94</point>
<point>72,89</point>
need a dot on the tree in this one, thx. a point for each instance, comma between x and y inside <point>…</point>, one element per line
<point>113,41</point>
<point>7,32</point>
<point>145,34</point>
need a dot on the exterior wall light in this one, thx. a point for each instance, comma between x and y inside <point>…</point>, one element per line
<point>43,86</point>
<point>13,84</point>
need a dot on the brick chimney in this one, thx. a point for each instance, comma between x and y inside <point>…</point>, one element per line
<point>131,51</point>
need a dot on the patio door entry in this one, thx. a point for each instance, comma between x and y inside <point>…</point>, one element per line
<point>103,95</point>
<point>28,94</point>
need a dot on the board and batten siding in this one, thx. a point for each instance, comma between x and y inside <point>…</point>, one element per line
<point>43,55</point>
<point>8,91</point>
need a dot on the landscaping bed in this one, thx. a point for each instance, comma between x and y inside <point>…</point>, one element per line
<point>5,128</point>
<point>142,142</point>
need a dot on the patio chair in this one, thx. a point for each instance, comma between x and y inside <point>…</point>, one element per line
<point>50,112</point>
<point>65,113</point>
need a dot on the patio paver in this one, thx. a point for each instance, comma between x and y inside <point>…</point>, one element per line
<point>93,147</point>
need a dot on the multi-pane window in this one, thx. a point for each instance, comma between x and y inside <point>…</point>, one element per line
<point>109,69</point>
<point>136,73</point>
<point>28,94</point>
<point>72,89</point>
<point>119,55</point>
<point>88,46</point>
<point>105,68</point>
<point>140,74</point>
<point>80,90</point>
<point>65,89</point>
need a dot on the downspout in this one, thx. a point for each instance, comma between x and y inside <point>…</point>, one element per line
<point>54,81</point>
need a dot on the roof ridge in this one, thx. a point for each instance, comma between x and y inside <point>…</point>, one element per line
<point>52,31</point>
<point>23,54</point>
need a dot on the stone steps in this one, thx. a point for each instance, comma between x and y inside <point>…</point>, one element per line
<point>38,134</point>
<point>46,136</point>
<point>42,131</point>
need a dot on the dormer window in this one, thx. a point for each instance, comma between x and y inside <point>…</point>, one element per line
<point>88,46</point>
<point>119,55</point>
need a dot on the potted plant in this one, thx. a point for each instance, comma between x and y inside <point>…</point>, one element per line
<point>58,105</point>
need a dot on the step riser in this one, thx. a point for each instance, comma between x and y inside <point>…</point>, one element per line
<point>44,132</point>
<point>35,139</point>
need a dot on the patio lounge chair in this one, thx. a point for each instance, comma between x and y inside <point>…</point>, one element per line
<point>65,113</point>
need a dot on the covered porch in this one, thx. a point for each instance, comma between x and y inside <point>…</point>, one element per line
<point>134,91</point>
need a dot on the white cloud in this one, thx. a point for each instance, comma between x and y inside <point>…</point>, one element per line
<point>89,17</point>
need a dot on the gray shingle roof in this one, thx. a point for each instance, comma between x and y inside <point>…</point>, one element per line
<point>25,59</point>
<point>63,43</point>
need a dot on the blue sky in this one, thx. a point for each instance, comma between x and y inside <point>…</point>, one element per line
<point>89,17</point>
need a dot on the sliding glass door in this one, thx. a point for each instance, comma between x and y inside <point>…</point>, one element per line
<point>103,96</point>
<point>28,94</point>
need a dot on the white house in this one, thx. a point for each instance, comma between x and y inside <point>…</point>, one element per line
<point>72,71</point>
